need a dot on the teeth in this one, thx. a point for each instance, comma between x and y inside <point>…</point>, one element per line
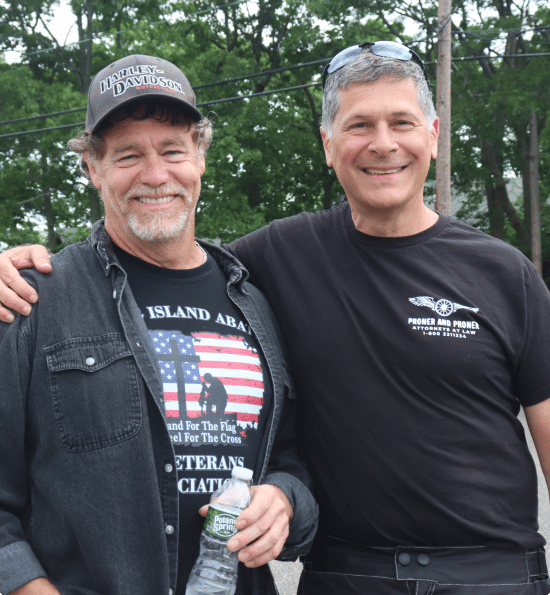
<point>383,171</point>
<point>156,201</point>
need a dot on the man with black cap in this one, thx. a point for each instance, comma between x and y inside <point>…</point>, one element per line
<point>104,456</point>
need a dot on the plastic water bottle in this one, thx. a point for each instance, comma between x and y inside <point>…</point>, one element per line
<point>215,571</point>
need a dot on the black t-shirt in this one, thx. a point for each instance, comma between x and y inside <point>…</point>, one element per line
<point>216,389</point>
<point>411,357</point>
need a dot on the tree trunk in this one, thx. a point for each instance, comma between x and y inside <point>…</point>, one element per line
<point>48,207</point>
<point>500,196</point>
<point>496,214</point>
<point>443,106</point>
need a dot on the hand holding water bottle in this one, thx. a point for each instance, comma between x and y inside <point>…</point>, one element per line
<point>265,522</point>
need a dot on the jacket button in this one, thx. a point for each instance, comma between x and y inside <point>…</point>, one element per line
<point>423,559</point>
<point>404,559</point>
<point>169,529</point>
<point>90,361</point>
<point>168,468</point>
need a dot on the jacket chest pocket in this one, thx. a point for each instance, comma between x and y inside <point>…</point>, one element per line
<point>95,390</point>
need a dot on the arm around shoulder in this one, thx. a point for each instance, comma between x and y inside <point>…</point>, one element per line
<point>15,292</point>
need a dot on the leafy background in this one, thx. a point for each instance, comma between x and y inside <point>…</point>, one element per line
<point>266,161</point>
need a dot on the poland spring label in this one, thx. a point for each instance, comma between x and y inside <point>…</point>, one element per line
<point>220,522</point>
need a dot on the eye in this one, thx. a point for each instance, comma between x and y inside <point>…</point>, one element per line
<point>126,158</point>
<point>174,154</point>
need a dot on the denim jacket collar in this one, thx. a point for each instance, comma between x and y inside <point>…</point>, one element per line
<point>103,246</point>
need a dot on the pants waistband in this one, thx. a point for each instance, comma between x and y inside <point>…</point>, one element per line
<point>447,565</point>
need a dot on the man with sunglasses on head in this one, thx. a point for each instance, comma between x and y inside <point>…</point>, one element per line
<point>413,339</point>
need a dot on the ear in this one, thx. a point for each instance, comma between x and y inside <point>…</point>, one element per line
<point>201,164</point>
<point>93,170</point>
<point>326,146</point>
<point>435,137</point>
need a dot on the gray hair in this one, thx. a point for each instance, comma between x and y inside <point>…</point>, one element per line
<point>368,68</point>
<point>94,145</point>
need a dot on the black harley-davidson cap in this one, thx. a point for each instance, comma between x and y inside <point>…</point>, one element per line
<point>137,77</point>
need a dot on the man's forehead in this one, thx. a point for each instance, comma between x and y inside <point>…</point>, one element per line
<point>398,96</point>
<point>135,133</point>
<point>384,86</point>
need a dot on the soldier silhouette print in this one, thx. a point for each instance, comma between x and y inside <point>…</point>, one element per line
<point>216,397</point>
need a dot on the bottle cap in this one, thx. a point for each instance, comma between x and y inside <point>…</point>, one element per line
<point>242,473</point>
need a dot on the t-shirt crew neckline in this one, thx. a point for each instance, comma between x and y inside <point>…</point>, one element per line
<point>392,242</point>
<point>128,260</point>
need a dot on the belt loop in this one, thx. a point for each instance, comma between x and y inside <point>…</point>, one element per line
<point>536,564</point>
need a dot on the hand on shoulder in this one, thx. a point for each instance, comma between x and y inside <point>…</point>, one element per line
<point>15,293</point>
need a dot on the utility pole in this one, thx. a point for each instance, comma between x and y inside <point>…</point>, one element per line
<point>536,250</point>
<point>443,107</point>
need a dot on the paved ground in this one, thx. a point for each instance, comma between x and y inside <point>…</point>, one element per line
<point>287,574</point>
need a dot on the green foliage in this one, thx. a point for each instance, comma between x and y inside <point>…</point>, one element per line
<point>267,161</point>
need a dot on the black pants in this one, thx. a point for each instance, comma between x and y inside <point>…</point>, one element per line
<point>336,567</point>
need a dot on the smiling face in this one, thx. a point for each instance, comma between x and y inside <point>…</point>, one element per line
<point>149,178</point>
<point>381,147</point>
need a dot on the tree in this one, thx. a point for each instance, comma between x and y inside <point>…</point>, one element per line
<point>267,160</point>
<point>59,77</point>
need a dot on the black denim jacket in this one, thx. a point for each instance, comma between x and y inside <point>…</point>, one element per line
<point>88,487</point>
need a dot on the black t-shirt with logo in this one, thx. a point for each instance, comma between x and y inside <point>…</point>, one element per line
<point>217,390</point>
<point>411,356</point>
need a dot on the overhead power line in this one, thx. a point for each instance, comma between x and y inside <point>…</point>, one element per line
<point>43,116</point>
<point>213,84</point>
<point>241,97</point>
<point>495,57</point>
<point>208,103</point>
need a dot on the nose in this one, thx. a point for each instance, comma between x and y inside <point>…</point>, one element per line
<point>383,140</point>
<point>154,171</point>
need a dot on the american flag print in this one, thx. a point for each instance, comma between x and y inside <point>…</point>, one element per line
<point>184,360</point>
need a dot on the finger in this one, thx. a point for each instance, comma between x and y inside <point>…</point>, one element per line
<point>26,257</point>
<point>15,292</point>
<point>204,509</point>
<point>266,548</point>
<point>41,259</point>
<point>264,497</point>
<point>6,315</point>
<point>266,557</point>
<point>272,522</point>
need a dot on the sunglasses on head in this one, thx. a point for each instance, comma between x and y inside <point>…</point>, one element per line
<point>386,49</point>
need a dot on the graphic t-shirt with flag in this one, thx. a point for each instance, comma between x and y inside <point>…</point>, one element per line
<point>217,397</point>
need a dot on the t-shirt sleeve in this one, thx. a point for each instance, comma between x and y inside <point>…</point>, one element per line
<point>533,369</point>
<point>250,250</point>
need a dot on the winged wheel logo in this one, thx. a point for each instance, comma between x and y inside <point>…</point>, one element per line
<point>442,307</point>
